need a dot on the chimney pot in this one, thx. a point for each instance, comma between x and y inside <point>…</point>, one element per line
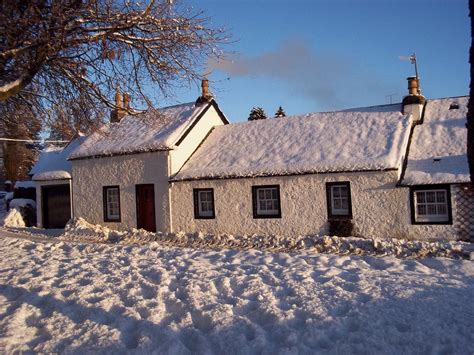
<point>126,101</point>
<point>118,98</point>
<point>414,102</point>
<point>118,112</point>
<point>205,88</point>
<point>413,85</point>
<point>205,94</point>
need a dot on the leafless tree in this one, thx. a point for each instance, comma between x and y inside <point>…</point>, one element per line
<point>78,115</point>
<point>19,119</point>
<point>67,48</point>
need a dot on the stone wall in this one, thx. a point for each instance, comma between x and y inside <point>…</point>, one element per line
<point>379,208</point>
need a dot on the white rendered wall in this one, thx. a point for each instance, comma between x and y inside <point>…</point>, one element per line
<point>379,209</point>
<point>181,154</point>
<point>39,202</point>
<point>90,175</point>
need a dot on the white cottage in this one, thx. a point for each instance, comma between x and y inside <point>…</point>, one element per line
<point>121,173</point>
<point>385,171</point>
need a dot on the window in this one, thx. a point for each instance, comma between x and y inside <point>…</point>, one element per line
<point>266,201</point>
<point>111,196</point>
<point>204,203</point>
<point>431,204</point>
<point>339,200</point>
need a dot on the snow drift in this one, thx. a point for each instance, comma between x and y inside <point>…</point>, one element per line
<point>80,230</point>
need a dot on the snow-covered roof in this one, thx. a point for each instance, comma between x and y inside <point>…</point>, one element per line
<point>371,138</point>
<point>55,158</point>
<point>52,175</point>
<point>149,131</point>
<point>26,184</point>
<point>22,202</point>
<point>438,146</point>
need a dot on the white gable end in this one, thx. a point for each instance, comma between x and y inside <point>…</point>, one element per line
<point>192,139</point>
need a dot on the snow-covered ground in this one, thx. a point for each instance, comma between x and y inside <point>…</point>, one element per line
<point>63,296</point>
<point>90,289</point>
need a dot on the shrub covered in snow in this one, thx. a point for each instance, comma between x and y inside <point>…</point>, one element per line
<point>14,219</point>
<point>27,208</point>
<point>79,229</point>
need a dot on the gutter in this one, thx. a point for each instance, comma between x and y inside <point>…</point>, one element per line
<point>263,175</point>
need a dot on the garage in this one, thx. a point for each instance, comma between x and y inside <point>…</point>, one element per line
<point>56,205</point>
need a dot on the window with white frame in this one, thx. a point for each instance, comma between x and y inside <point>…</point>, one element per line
<point>266,201</point>
<point>339,200</point>
<point>431,205</point>
<point>204,203</point>
<point>111,203</point>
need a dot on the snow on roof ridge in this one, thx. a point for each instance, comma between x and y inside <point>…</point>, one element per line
<point>354,109</point>
<point>372,106</point>
<point>309,143</point>
<point>448,98</point>
<point>151,130</point>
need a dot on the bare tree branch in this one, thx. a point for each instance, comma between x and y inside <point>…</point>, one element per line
<point>64,48</point>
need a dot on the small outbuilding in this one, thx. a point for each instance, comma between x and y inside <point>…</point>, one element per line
<point>52,177</point>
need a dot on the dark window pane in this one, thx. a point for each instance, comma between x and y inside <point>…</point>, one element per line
<point>345,204</point>
<point>420,197</point>
<point>440,196</point>
<point>430,196</point>
<point>421,210</point>
<point>431,209</point>
<point>268,194</point>
<point>344,191</point>
<point>269,205</point>
<point>442,210</point>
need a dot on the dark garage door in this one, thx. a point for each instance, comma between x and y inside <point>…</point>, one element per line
<point>56,206</point>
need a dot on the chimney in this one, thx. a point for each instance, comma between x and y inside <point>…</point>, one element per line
<point>205,95</point>
<point>119,112</point>
<point>118,98</point>
<point>126,101</point>
<point>414,102</point>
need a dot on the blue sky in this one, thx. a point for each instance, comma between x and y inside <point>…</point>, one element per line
<point>327,55</point>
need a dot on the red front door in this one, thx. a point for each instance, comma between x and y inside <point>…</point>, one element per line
<point>145,194</point>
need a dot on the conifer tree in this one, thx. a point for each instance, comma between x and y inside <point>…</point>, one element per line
<point>257,113</point>
<point>280,112</point>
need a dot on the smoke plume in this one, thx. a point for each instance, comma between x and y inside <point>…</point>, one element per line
<point>327,79</point>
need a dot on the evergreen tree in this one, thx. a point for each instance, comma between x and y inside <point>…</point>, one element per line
<point>257,113</point>
<point>280,112</point>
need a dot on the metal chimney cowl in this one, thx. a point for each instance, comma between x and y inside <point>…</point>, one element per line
<point>414,102</point>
